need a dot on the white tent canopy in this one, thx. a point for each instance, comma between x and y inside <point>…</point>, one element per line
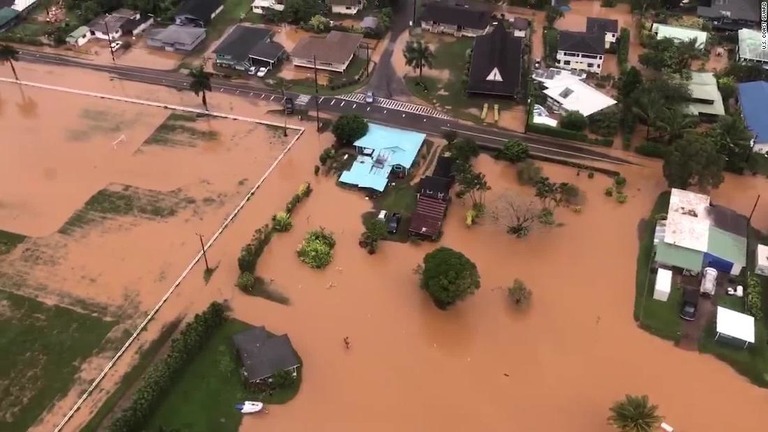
<point>735,325</point>
<point>663,284</point>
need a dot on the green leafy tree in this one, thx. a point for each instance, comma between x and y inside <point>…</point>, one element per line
<point>201,83</point>
<point>528,172</point>
<point>746,72</point>
<point>629,82</point>
<point>669,55</point>
<point>449,135</point>
<point>634,414</point>
<point>513,151</point>
<point>734,141</point>
<point>246,281</point>
<point>463,150</point>
<point>375,231</point>
<point>319,24</point>
<point>693,161</point>
<point>573,120</point>
<point>9,54</point>
<point>448,276</point>
<point>605,122</point>
<point>647,107</point>
<point>316,250</point>
<point>553,14</point>
<point>349,128</point>
<point>418,55</point>
<point>473,184</point>
<point>282,222</point>
<point>727,87</point>
<point>282,379</point>
<point>301,11</point>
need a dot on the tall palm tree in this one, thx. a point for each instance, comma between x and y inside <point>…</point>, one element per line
<point>553,14</point>
<point>687,51</point>
<point>675,123</point>
<point>201,83</point>
<point>647,106</point>
<point>634,414</point>
<point>8,53</point>
<point>418,55</point>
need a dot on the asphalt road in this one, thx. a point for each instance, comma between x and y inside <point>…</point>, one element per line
<point>384,111</point>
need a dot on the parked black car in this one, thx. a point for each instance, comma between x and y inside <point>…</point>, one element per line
<point>393,223</point>
<point>288,105</point>
<point>690,304</point>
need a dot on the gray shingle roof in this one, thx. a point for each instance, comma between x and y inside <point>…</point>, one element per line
<point>748,10</point>
<point>263,355</point>
<point>200,9</point>
<point>602,25</point>
<point>244,41</point>
<point>581,42</point>
<point>451,14</point>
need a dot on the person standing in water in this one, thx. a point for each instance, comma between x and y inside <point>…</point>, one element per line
<point>347,344</point>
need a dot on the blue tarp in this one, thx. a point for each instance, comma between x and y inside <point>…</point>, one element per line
<point>753,99</point>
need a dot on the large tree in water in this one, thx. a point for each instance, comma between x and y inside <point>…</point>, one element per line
<point>201,83</point>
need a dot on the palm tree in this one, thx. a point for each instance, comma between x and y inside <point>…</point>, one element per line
<point>687,51</point>
<point>8,53</point>
<point>201,83</point>
<point>647,106</point>
<point>418,55</point>
<point>553,14</point>
<point>634,414</point>
<point>675,123</point>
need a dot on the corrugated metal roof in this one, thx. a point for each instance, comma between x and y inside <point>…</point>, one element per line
<point>727,246</point>
<point>681,257</point>
<point>77,34</point>
<point>753,100</point>
<point>680,33</point>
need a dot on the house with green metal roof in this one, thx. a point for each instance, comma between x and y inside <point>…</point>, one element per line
<point>697,234</point>
<point>79,36</point>
<point>706,100</point>
<point>680,34</point>
<point>8,18</point>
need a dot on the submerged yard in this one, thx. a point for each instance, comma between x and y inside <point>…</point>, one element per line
<point>42,348</point>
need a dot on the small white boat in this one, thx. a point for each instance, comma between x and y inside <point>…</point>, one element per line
<point>249,407</point>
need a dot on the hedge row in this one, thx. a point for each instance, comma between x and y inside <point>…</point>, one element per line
<point>652,149</point>
<point>561,133</point>
<point>754,297</point>
<point>623,49</point>
<point>163,375</point>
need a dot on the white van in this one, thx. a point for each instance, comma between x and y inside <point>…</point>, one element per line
<point>708,281</point>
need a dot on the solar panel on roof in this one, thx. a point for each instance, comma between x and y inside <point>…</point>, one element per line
<point>558,72</point>
<point>566,92</point>
<point>550,74</point>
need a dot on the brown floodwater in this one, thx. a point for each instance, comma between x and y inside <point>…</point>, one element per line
<point>478,366</point>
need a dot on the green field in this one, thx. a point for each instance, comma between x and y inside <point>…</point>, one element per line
<point>41,349</point>
<point>204,398</point>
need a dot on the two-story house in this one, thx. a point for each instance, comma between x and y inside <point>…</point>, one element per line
<point>581,51</point>
<point>346,7</point>
<point>730,15</point>
<point>247,47</point>
<point>455,18</point>
<point>607,27</point>
<point>259,6</point>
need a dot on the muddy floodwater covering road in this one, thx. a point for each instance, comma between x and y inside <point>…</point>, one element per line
<point>479,366</point>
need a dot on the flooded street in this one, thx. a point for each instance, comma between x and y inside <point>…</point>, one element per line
<point>479,366</point>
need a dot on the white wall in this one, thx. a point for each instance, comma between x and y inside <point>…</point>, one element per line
<point>336,67</point>
<point>344,10</point>
<point>258,6</point>
<point>578,62</point>
<point>115,35</point>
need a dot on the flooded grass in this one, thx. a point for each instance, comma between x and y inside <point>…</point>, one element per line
<point>9,241</point>
<point>131,378</point>
<point>42,347</point>
<point>176,131</point>
<point>203,400</point>
<point>125,201</point>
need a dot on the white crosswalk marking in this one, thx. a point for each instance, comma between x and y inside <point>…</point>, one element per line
<point>397,105</point>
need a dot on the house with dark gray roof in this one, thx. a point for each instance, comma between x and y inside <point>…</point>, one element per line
<point>176,38</point>
<point>247,47</point>
<point>197,13</point>
<point>497,64</point>
<point>580,51</point>
<point>435,187</point>
<point>456,18</point>
<point>519,26</point>
<point>730,15</point>
<point>605,26</point>
<point>444,168</point>
<point>263,354</point>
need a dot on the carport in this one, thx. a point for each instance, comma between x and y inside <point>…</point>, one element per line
<point>735,328</point>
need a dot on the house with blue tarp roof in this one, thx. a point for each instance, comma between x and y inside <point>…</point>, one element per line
<point>383,151</point>
<point>753,101</point>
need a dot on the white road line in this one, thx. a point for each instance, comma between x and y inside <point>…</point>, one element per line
<point>342,104</point>
<point>321,99</point>
<point>270,99</point>
<point>354,106</point>
<point>369,108</point>
<point>262,96</point>
<point>333,101</point>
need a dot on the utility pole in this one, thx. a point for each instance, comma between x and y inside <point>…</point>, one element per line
<point>109,37</point>
<point>414,12</point>
<point>205,257</point>
<point>368,59</point>
<point>752,213</point>
<point>317,94</point>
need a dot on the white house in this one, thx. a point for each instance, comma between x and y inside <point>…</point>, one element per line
<point>110,26</point>
<point>80,36</point>
<point>346,7</point>
<point>258,6</point>
<point>751,48</point>
<point>576,95</point>
<point>581,51</point>
<point>609,28</point>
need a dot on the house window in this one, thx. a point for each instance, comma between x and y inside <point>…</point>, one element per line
<point>589,56</point>
<point>599,57</point>
<point>566,63</point>
<point>590,65</point>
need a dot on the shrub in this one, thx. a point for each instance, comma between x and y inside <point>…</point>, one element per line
<point>546,217</point>
<point>316,250</point>
<point>513,151</point>
<point>621,198</point>
<point>245,282</point>
<point>608,3</point>
<point>609,191</point>
<point>652,149</point>
<point>519,294</point>
<point>571,194</point>
<point>163,374</point>
<point>327,154</point>
<point>573,121</point>
<point>528,172</point>
<point>591,175</point>
<point>622,55</point>
<point>282,222</point>
<point>448,276</point>
<point>557,132</point>
<point>754,302</point>
<point>605,123</point>
<point>619,182</point>
<point>251,252</point>
<point>316,170</point>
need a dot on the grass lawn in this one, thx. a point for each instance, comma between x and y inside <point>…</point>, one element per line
<point>235,11</point>
<point>450,95</point>
<point>130,379</point>
<point>9,241</point>
<point>399,198</point>
<point>661,318</point>
<point>42,347</point>
<point>204,398</point>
